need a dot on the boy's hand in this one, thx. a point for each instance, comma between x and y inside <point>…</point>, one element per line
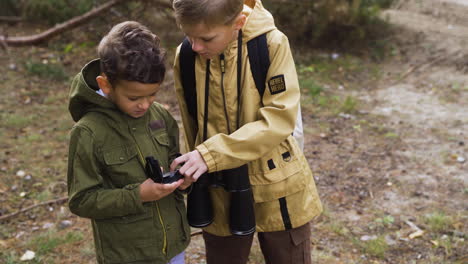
<point>194,166</point>
<point>151,191</point>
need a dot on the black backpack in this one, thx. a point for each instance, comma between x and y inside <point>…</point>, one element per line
<point>259,59</point>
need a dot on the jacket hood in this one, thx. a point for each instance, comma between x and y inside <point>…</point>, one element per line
<point>259,20</point>
<point>83,96</point>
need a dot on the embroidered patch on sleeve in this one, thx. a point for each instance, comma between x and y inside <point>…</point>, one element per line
<point>157,124</point>
<point>277,84</point>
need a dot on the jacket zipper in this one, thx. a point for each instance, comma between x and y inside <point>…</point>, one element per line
<point>223,70</point>
<point>164,249</point>
<point>161,221</point>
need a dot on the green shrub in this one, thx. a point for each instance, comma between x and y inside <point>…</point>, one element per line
<point>54,11</point>
<point>8,8</point>
<point>331,24</point>
<point>46,70</point>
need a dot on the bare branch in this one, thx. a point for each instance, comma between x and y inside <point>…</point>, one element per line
<point>11,19</point>
<point>8,216</point>
<point>59,28</point>
<point>6,41</point>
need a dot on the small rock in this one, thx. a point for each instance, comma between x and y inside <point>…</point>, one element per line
<point>47,225</point>
<point>389,240</point>
<point>27,177</point>
<point>23,194</point>
<point>20,173</point>
<point>367,237</point>
<point>12,67</point>
<point>19,234</point>
<point>335,56</point>
<point>65,224</point>
<point>346,116</point>
<point>28,255</point>
<point>461,159</point>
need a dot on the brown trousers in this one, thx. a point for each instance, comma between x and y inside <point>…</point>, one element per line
<point>281,247</point>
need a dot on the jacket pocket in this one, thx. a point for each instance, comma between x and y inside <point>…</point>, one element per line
<point>286,186</point>
<point>180,205</point>
<point>161,137</point>
<point>123,166</point>
<point>278,174</point>
<point>128,238</point>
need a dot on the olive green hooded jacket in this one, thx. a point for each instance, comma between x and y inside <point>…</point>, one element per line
<point>282,183</point>
<point>105,169</point>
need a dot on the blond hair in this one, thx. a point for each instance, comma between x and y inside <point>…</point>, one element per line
<point>208,12</point>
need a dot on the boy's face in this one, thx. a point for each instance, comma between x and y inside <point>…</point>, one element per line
<point>211,41</point>
<point>132,98</point>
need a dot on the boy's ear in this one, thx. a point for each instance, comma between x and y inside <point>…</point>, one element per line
<point>104,84</point>
<point>240,21</point>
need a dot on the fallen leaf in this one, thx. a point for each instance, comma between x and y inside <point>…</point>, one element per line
<point>416,234</point>
<point>28,255</point>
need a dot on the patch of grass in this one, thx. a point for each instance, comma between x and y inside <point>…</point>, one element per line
<point>34,137</point>
<point>87,251</point>
<point>338,228</point>
<point>323,256</point>
<point>43,196</point>
<point>391,135</point>
<point>16,121</point>
<point>438,222</point>
<point>375,247</point>
<point>48,241</point>
<point>385,221</point>
<point>349,105</point>
<point>9,257</point>
<point>46,70</point>
<point>314,89</point>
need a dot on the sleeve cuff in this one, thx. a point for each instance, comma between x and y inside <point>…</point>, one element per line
<point>134,190</point>
<point>209,160</point>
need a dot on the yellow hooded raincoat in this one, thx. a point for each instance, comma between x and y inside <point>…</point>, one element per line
<point>277,167</point>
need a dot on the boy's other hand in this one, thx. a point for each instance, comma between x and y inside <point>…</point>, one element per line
<point>194,165</point>
<point>151,191</point>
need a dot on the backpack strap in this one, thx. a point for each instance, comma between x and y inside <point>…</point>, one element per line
<point>187,76</point>
<point>259,59</point>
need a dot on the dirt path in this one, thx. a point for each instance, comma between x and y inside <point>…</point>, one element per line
<point>429,107</point>
<point>424,98</point>
<point>384,183</point>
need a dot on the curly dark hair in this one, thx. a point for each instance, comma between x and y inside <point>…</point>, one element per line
<point>131,52</point>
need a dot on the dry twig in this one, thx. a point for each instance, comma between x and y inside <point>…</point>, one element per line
<point>55,201</point>
<point>59,28</point>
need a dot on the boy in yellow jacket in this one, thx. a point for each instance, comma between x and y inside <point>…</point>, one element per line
<point>241,127</point>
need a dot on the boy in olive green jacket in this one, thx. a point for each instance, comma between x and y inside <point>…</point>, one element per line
<point>118,124</point>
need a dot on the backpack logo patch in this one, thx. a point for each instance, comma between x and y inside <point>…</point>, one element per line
<point>277,84</point>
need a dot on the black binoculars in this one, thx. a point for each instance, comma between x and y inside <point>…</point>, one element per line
<point>153,171</point>
<point>241,212</point>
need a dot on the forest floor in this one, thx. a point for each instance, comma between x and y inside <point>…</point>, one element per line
<point>386,139</point>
